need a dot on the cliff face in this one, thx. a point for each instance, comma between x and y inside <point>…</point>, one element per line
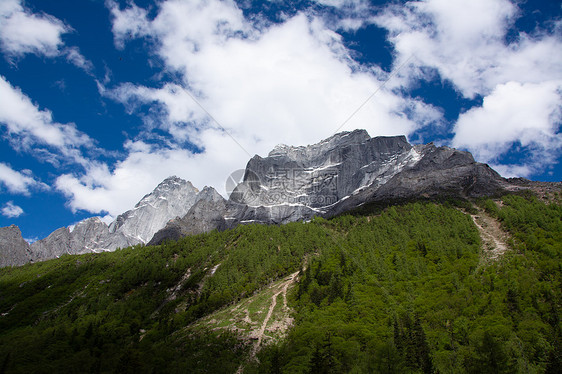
<point>14,251</point>
<point>89,235</point>
<point>171,198</point>
<point>336,175</point>
<point>207,214</point>
<point>350,169</point>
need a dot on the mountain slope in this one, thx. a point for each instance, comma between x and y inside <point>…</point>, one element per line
<point>401,288</point>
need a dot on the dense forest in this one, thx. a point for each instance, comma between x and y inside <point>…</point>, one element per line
<point>399,289</point>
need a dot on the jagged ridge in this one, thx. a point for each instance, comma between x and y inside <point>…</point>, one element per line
<point>292,183</point>
<point>338,174</point>
<point>172,198</point>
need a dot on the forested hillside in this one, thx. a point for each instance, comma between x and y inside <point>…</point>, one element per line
<point>408,288</point>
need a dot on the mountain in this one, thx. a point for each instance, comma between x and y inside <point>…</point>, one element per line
<point>89,235</point>
<point>350,169</point>
<point>170,199</point>
<point>14,250</point>
<point>336,175</point>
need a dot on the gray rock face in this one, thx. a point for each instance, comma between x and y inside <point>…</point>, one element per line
<point>336,175</point>
<point>93,235</point>
<point>440,172</point>
<point>207,214</point>
<point>14,251</point>
<point>89,235</point>
<point>295,183</point>
<point>351,169</point>
<point>172,198</point>
<point>53,246</point>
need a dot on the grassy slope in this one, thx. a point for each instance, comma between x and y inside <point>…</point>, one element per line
<point>399,291</point>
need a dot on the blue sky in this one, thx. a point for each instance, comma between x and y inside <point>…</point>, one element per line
<point>102,100</point>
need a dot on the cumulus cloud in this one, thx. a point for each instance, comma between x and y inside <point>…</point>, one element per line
<point>22,32</point>
<point>171,102</point>
<point>295,82</point>
<point>128,23</point>
<point>242,90</point>
<point>28,126</point>
<point>465,42</point>
<point>18,182</point>
<point>527,114</point>
<point>11,210</point>
<point>460,39</point>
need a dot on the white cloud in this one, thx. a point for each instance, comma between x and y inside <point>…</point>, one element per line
<point>172,102</point>
<point>465,43</point>
<point>74,56</point>
<point>295,83</point>
<point>115,191</point>
<point>11,211</point>
<point>528,114</point>
<point>22,32</point>
<point>291,83</point>
<point>28,126</point>
<point>128,23</point>
<point>18,182</point>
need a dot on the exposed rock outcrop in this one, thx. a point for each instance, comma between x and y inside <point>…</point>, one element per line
<point>14,250</point>
<point>336,175</point>
<point>171,198</point>
<point>89,235</point>
<point>350,169</point>
<point>207,214</point>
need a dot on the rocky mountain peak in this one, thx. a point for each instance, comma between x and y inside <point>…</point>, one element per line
<point>168,188</point>
<point>319,175</point>
<point>341,139</point>
<point>172,198</point>
<point>208,213</point>
<point>209,194</point>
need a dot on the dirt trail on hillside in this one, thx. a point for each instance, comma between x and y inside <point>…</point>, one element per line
<point>284,287</point>
<point>281,289</point>
<point>493,237</point>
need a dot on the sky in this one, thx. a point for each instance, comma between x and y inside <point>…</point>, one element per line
<point>102,100</point>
